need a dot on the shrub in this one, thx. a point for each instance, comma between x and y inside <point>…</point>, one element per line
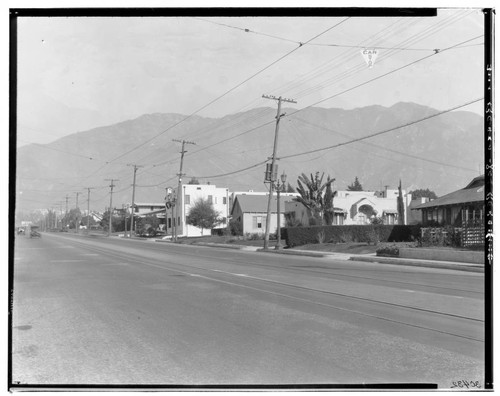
<point>254,236</point>
<point>320,237</point>
<point>235,227</point>
<point>351,233</point>
<point>441,236</point>
<point>373,236</point>
<point>388,251</point>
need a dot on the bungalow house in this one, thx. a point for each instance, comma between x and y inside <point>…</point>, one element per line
<point>458,207</point>
<point>251,212</point>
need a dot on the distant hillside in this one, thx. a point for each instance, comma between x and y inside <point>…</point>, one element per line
<point>442,153</point>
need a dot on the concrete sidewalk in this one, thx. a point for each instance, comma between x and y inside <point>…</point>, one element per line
<point>370,258</point>
<point>458,266</point>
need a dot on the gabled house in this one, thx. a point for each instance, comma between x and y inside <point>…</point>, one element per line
<point>458,207</point>
<point>251,212</point>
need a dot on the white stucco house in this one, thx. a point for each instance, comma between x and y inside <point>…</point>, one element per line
<point>190,193</point>
<point>219,197</point>
<point>355,207</point>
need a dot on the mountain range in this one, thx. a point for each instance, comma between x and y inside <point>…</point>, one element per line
<point>379,145</point>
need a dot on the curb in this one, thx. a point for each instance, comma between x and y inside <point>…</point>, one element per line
<point>421,263</point>
<point>220,245</point>
<point>293,253</point>
<point>367,258</point>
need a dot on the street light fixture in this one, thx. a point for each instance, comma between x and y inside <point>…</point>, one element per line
<point>170,201</point>
<point>278,190</point>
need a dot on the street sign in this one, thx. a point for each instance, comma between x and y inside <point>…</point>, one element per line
<point>369,55</point>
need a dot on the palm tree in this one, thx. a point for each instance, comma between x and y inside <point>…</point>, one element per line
<point>311,194</point>
<point>328,202</point>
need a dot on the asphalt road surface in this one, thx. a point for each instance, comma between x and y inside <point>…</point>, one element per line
<point>111,311</point>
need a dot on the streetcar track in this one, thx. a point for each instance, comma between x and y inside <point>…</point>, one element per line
<point>298,269</point>
<point>152,263</point>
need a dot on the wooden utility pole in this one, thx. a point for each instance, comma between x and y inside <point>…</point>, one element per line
<point>88,208</point>
<point>67,198</point>
<point>133,200</point>
<point>77,217</point>
<point>110,230</point>
<point>273,162</point>
<point>179,187</point>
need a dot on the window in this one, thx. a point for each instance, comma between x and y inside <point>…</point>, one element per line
<point>169,223</point>
<point>224,200</point>
<point>210,199</point>
<point>259,222</point>
<point>136,209</point>
<point>187,199</point>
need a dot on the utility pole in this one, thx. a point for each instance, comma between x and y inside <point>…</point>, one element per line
<point>179,188</point>
<point>133,199</point>
<point>273,162</point>
<point>67,198</point>
<point>66,213</point>
<point>77,223</point>
<point>110,230</point>
<point>88,208</point>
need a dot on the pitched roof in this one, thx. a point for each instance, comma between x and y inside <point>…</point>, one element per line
<point>258,203</point>
<point>474,192</point>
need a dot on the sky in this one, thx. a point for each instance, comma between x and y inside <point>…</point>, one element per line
<point>75,74</point>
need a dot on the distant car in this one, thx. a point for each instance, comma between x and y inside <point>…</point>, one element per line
<point>34,233</point>
<point>147,233</point>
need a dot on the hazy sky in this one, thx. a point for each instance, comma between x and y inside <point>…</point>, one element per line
<point>79,73</point>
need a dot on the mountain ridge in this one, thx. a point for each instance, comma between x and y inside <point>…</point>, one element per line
<point>440,153</point>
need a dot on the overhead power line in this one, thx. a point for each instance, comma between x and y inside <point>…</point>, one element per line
<point>55,149</point>
<point>384,131</point>
<point>389,149</point>
<point>227,92</point>
<point>246,30</point>
<point>338,94</point>
<point>384,75</point>
<point>346,143</point>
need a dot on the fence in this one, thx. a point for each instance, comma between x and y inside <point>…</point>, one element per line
<point>473,233</point>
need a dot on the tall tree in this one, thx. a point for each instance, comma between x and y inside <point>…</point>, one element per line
<point>311,194</point>
<point>421,193</point>
<point>355,186</point>
<point>401,206</point>
<point>194,180</point>
<point>328,202</point>
<point>203,215</point>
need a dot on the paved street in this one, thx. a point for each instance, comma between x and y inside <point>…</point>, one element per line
<point>96,310</point>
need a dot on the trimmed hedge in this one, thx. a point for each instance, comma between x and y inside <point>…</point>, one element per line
<point>297,236</point>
